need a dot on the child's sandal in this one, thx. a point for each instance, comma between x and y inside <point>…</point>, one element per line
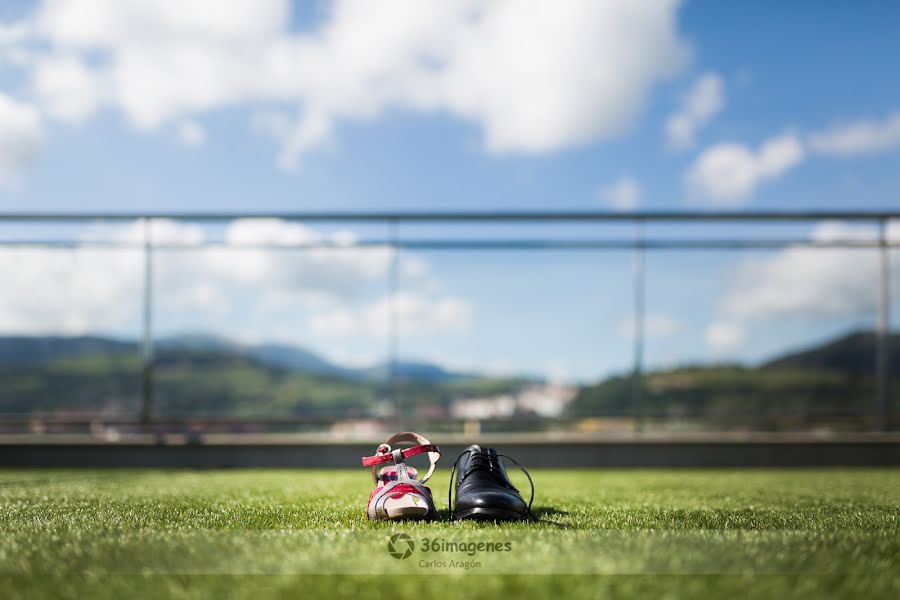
<point>398,494</point>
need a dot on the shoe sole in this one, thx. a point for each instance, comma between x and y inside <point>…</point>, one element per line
<point>405,508</point>
<point>490,514</point>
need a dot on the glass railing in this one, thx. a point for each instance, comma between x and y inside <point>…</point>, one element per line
<point>587,323</point>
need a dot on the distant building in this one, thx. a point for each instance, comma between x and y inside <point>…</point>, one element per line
<point>544,400</point>
<point>491,407</point>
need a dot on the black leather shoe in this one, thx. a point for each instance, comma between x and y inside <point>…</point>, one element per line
<point>483,488</point>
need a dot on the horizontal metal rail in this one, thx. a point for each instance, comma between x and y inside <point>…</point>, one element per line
<point>512,244</point>
<point>212,421</point>
<point>497,216</point>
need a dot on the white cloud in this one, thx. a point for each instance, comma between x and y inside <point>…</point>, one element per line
<point>534,76</point>
<point>295,137</point>
<point>725,337</point>
<point>415,314</point>
<point>804,284</point>
<point>21,138</point>
<point>13,33</point>
<point>623,195</point>
<point>191,133</point>
<point>808,283</point>
<point>101,290</point>
<point>221,288</point>
<point>66,88</point>
<point>13,37</point>
<point>541,76</point>
<point>117,23</point>
<point>699,105</point>
<point>270,231</point>
<point>159,231</point>
<point>861,137</point>
<point>729,173</point>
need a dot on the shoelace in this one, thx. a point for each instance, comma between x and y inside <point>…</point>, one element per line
<point>485,461</point>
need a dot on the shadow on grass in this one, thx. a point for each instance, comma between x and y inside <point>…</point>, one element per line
<point>547,515</point>
<point>544,515</point>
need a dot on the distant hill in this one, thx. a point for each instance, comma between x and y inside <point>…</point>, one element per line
<point>852,354</point>
<point>202,376</point>
<point>411,370</point>
<point>21,351</point>
<point>295,358</point>
<point>199,342</point>
<point>298,359</point>
<point>833,381</point>
<point>207,375</point>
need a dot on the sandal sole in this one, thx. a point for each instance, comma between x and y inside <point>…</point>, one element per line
<point>405,508</point>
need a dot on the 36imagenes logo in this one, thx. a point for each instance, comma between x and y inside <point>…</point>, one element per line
<point>471,548</point>
<point>401,546</point>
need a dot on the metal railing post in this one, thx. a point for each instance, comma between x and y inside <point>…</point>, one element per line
<point>147,357</point>
<point>883,334</point>
<point>393,383</point>
<point>637,383</point>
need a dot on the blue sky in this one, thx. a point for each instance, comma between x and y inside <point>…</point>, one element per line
<point>423,106</point>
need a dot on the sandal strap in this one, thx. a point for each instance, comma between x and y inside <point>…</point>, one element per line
<point>385,455</point>
<point>380,459</point>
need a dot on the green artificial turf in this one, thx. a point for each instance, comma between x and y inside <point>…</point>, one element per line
<point>600,533</point>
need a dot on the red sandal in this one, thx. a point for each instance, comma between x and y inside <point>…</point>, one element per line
<point>398,494</point>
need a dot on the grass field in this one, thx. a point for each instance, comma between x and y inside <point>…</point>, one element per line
<point>291,533</point>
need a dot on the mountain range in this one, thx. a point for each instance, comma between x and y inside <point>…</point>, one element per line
<point>853,353</point>
<point>833,382</point>
<point>205,375</point>
<point>29,351</point>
